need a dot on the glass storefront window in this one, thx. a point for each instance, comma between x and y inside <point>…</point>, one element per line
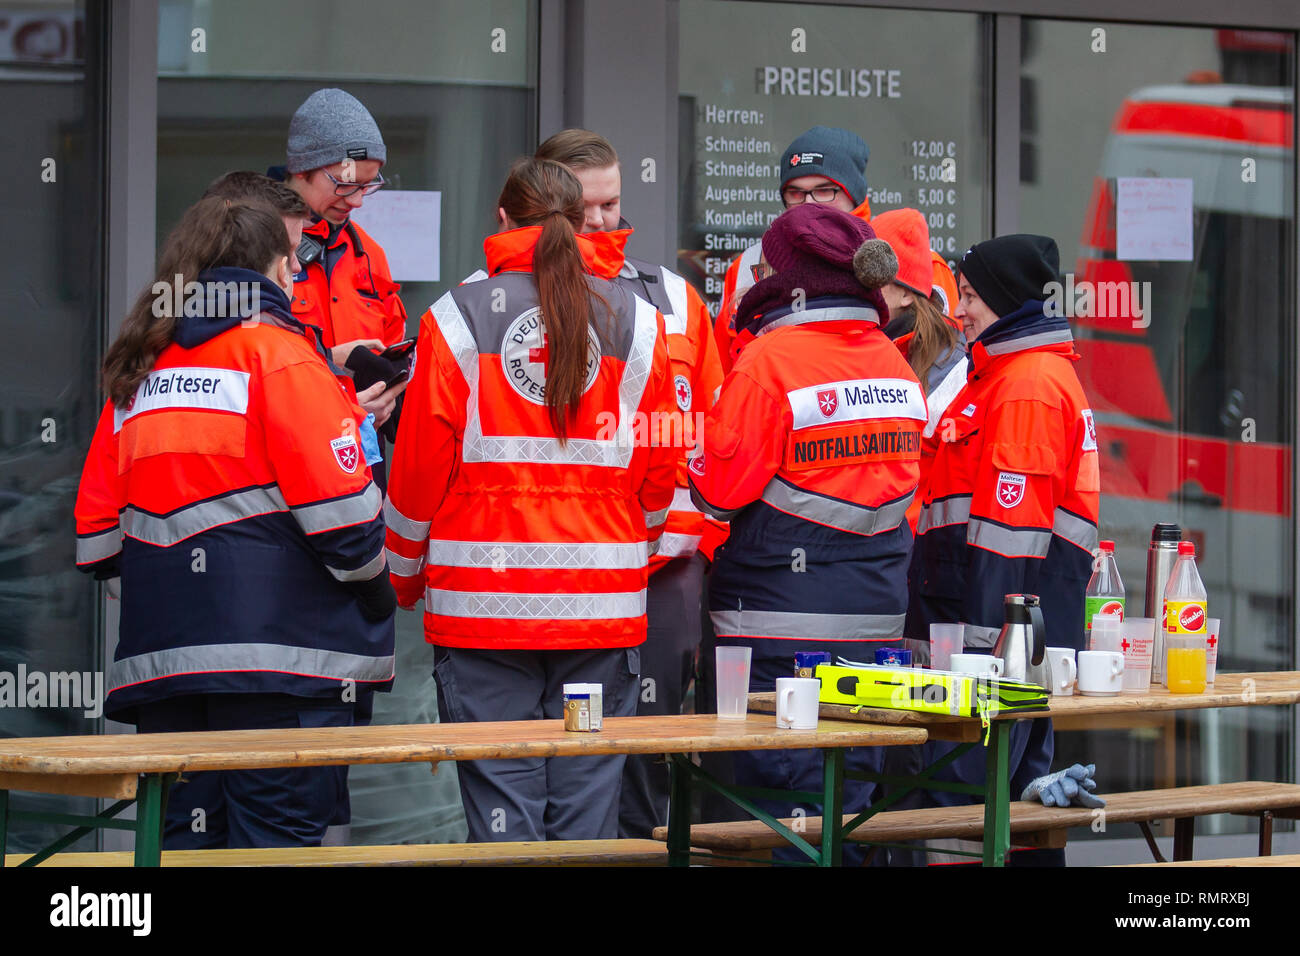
<point>1173,207</point>
<point>451,85</point>
<point>49,389</point>
<point>753,76</point>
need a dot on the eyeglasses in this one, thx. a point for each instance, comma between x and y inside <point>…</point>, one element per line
<point>794,196</point>
<point>350,189</point>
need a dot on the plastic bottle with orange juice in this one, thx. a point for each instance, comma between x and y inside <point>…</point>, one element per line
<point>1185,622</point>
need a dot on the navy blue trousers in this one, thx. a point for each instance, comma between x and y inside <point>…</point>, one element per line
<point>283,806</point>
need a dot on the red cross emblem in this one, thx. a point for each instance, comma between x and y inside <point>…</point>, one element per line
<point>538,356</point>
<point>683,391</point>
<point>1124,644</point>
<point>828,401</point>
<point>1213,640</point>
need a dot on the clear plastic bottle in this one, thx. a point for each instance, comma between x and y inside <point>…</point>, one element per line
<point>1185,625</point>
<point>1105,594</point>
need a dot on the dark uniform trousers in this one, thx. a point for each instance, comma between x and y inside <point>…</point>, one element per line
<point>536,798</point>
<point>674,601</point>
<point>281,806</point>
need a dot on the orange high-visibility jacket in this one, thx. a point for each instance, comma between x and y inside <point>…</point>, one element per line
<point>357,298</point>
<point>812,453</point>
<point>233,498</point>
<point>697,377</point>
<point>514,539</point>
<point>740,276</point>
<point>1011,502</point>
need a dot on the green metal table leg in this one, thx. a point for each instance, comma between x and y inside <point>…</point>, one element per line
<point>832,807</point>
<point>4,824</point>
<point>679,812</point>
<point>149,820</point>
<point>997,797</point>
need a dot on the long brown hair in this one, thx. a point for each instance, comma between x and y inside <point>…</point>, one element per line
<point>932,337</point>
<point>545,192</point>
<point>212,233</point>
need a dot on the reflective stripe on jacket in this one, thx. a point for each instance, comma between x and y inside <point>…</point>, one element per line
<point>1011,503</point>
<point>234,499</point>
<point>812,451</point>
<point>514,539</point>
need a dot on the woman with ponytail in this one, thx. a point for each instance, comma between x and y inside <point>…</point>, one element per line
<point>226,486</point>
<point>526,495</point>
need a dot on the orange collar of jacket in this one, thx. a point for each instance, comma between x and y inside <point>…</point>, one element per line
<point>512,250</point>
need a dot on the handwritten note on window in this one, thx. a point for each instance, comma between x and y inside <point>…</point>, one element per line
<point>407,223</point>
<point>1153,219</point>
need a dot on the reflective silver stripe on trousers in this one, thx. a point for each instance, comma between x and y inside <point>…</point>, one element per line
<point>678,545</point>
<point>304,661</point>
<point>792,625</point>
<point>1075,530</point>
<point>404,567</point>
<point>204,516</point>
<point>1029,342</point>
<point>363,573</point>
<point>612,453</point>
<point>1009,542</point>
<point>833,513</point>
<point>602,556</point>
<point>938,514</point>
<point>342,512</point>
<point>403,526</point>
<point>96,547</point>
<point>560,607</point>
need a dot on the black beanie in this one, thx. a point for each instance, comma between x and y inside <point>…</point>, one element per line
<point>1008,271</point>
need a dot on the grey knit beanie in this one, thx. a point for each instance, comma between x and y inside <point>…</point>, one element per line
<point>329,127</point>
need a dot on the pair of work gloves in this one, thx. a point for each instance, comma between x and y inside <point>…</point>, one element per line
<point>1060,789</point>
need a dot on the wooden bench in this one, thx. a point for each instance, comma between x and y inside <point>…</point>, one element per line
<point>1292,859</point>
<point>557,853</point>
<point>1032,824</point>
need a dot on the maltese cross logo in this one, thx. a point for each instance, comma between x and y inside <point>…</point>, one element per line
<point>828,401</point>
<point>1011,488</point>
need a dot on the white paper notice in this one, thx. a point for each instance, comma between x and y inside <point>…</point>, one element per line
<point>408,224</point>
<point>1153,219</point>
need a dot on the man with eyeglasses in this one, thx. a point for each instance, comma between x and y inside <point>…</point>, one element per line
<point>823,165</point>
<point>344,286</point>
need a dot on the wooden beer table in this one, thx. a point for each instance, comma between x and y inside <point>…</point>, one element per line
<point>139,767</point>
<point>1229,690</point>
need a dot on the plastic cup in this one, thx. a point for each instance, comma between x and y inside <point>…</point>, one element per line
<point>945,641</point>
<point>1137,641</point>
<point>1212,651</point>
<point>1185,663</point>
<point>733,682</point>
<point>1105,633</point>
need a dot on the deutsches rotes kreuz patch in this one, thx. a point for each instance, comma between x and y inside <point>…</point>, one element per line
<point>682,389</point>
<point>346,453</point>
<point>524,356</point>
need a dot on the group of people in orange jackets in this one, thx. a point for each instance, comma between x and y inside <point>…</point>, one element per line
<point>882,448</point>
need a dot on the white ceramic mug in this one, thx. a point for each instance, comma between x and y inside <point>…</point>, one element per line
<point>796,702</point>
<point>980,665</point>
<point>1101,673</point>
<point>1061,671</point>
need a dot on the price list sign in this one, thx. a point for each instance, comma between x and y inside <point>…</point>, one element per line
<point>755,76</point>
